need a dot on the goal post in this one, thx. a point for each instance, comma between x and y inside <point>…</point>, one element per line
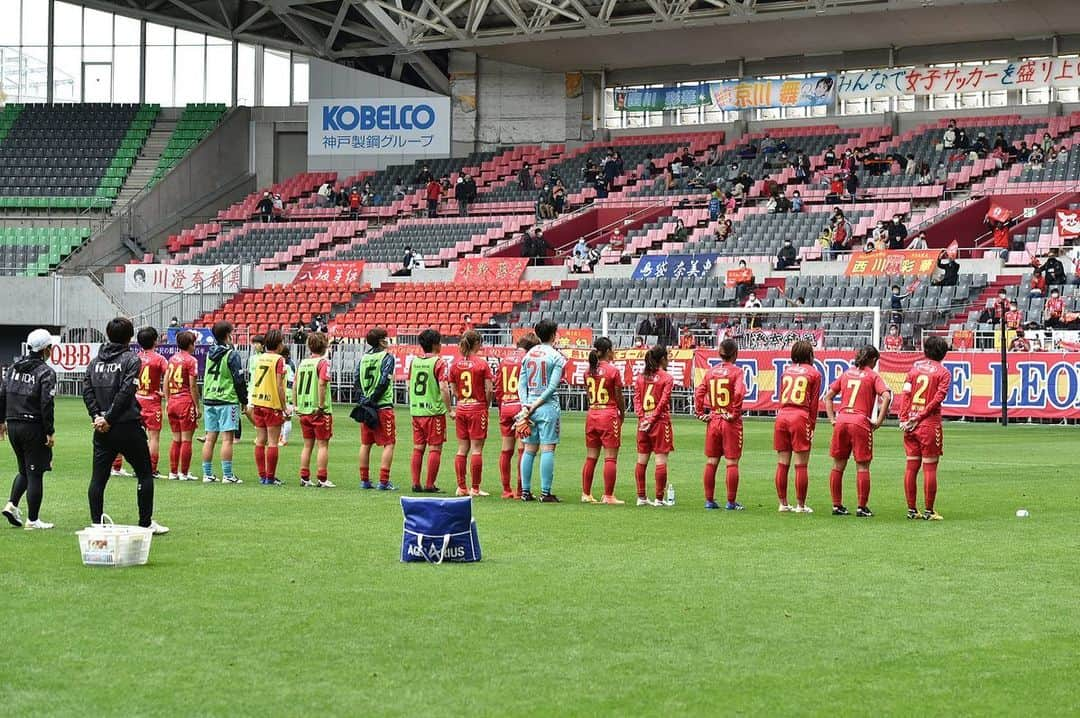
<point>837,327</point>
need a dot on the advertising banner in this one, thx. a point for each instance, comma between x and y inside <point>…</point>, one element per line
<point>568,338</point>
<point>779,339</point>
<point>331,274</point>
<point>1068,223</point>
<point>202,335</point>
<point>181,278</point>
<point>675,266</point>
<point>379,126</point>
<point>658,99</point>
<point>891,263</point>
<point>751,93</point>
<point>1020,75</point>
<point>74,357</point>
<point>488,271</point>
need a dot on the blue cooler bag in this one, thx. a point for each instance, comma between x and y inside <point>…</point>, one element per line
<point>438,530</point>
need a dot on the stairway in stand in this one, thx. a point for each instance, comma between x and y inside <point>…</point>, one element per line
<point>147,161</point>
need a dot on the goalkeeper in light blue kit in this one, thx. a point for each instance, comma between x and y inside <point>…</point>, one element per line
<point>541,372</point>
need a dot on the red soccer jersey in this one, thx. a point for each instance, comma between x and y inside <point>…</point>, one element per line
<point>894,342</point>
<point>506,379</point>
<point>858,390</point>
<point>600,387</point>
<point>721,391</point>
<point>1055,307</point>
<point>151,372</point>
<point>469,377</point>
<point>182,366</point>
<point>800,388</point>
<point>652,395</point>
<point>925,389</point>
<point>1013,318</point>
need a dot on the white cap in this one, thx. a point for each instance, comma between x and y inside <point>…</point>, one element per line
<point>39,339</point>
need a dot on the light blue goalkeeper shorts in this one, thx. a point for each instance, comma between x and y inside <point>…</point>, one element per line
<point>217,419</point>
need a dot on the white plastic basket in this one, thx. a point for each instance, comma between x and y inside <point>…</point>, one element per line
<point>109,544</point>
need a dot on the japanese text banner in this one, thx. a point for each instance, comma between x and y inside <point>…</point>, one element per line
<point>379,126</point>
<point>485,271</point>
<point>891,263</point>
<point>750,93</point>
<point>331,274</point>
<point>675,266</point>
<point>180,278</point>
<point>1029,74</point>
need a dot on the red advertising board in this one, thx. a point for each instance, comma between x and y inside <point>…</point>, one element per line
<point>490,271</point>
<point>1068,223</point>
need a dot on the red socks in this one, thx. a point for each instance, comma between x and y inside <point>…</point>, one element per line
<point>153,462</point>
<point>476,468</point>
<point>185,456</point>
<point>731,478</point>
<point>639,478</point>
<point>836,487</point>
<point>305,474</point>
<point>271,462</point>
<point>709,479</point>
<point>661,481</point>
<point>862,487</point>
<point>460,462</point>
<point>611,471</point>
<point>911,475</point>
<point>587,473</point>
<point>384,476</point>
<point>174,457</point>
<point>433,460</point>
<point>930,484</point>
<point>781,482</point>
<point>322,475</point>
<point>505,459</point>
<point>260,460</point>
<point>802,483</point>
<point>415,466</point>
<point>365,474</point>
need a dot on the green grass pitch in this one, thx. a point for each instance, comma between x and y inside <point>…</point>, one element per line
<point>282,601</point>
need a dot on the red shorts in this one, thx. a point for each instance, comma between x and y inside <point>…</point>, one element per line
<point>794,431</point>
<point>852,438</point>
<point>507,412</point>
<point>429,430</point>
<point>151,413</point>
<point>603,429</point>
<point>925,441</point>
<point>472,425</point>
<point>263,417</point>
<point>385,434</point>
<point>724,439</point>
<point>317,426</point>
<point>657,440</point>
<point>182,415</point>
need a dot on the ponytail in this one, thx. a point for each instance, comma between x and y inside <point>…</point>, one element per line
<point>654,359</point>
<point>601,347</point>
<point>470,341</point>
<point>729,350</point>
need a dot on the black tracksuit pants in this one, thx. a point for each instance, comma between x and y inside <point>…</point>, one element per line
<point>130,440</point>
<point>34,458</point>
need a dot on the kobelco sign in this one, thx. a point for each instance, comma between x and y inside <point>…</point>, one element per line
<point>379,126</point>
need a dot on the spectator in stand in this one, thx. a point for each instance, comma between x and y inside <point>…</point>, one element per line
<point>995,309</point>
<point>919,242</point>
<point>783,204</point>
<point>733,173</point>
<point>767,145</point>
<point>897,232</point>
<point>745,287</point>
<point>925,178</point>
<point>1054,311</point>
<point>354,203</point>
<point>646,328</point>
<point>620,166</point>
<point>1019,342</point>
<point>649,169</point>
<point>752,302</point>
<point>423,176</point>
<point>713,156</point>
<point>796,202</point>
<point>963,142</point>
<point>601,188</point>
<point>770,205</point>
<point>666,180</point>
<point>836,189</point>
<point>1000,143</point>
<point>676,168</point>
<point>590,172</point>
<point>524,177</point>
<point>325,190</point>
<point>1053,270</point>
<point>737,192</point>
<point>1035,159</point>
<point>716,205</point>
<point>545,208</point>
<point>786,257</point>
<point>666,333</point>
<point>880,235</point>
<point>841,233</point>
<point>580,256</point>
<point>768,186</point>
<point>941,174</point>
<point>398,192</point>
<point>830,156</point>
<point>951,269</point>
<point>1014,318</point>
<point>470,189</point>
<point>698,180</point>
<point>723,230</point>
<point>278,211</point>
<point>686,338</point>
<point>1038,284</point>
<point>893,341</point>
<point>731,205</point>
<point>558,197</point>
<point>911,167</point>
<point>265,207</point>
<point>611,171</point>
<point>948,141</point>
<point>981,146</point>
<point>432,193</point>
<point>1047,142</point>
<point>1023,154</point>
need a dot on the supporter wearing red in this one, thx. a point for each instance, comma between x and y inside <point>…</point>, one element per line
<point>182,405</point>
<point>919,410</point>
<point>1054,311</point>
<point>793,433</point>
<point>603,423</point>
<point>1013,316</point>
<point>432,193</point>
<point>507,378</point>
<point>152,368</point>
<point>864,404</point>
<point>652,400</point>
<point>893,341</point>
<point>718,402</point>
<point>472,382</point>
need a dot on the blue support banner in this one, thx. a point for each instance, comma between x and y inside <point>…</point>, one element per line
<point>675,266</point>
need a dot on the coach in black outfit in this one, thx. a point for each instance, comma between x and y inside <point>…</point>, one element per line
<point>109,395</point>
<point>26,403</point>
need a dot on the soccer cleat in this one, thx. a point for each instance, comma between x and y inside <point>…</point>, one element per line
<point>209,479</point>
<point>549,499</point>
<point>432,490</point>
<point>202,439</point>
<point>840,510</point>
<point>931,515</point>
<point>417,489</point>
<point>612,501</point>
<point>510,495</point>
<point>174,477</point>
<point>306,483</point>
<point>188,477</point>
<point>157,528</point>
<point>13,515</point>
<point>231,480</point>
<point>864,512</point>
<point>119,472</point>
<point>37,525</point>
<point>786,508</point>
<point>642,501</point>
<point>327,484</point>
<point>385,487</point>
<point>913,514</point>
<point>158,475</point>
<point>588,499</point>
<point>461,492</point>
<point>275,482</point>
<point>803,510</point>
<point>710,505</point>
<point>478,492</point>
<point>734,506</point>
<point>527,496</point>
<point>366,485</point>
<point>658,503</point>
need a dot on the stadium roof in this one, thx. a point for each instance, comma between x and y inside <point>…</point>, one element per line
<point>609,34</point>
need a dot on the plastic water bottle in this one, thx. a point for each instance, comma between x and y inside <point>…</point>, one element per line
<point>670,495</point>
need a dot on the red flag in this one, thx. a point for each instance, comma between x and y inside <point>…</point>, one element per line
<point>999,214</point>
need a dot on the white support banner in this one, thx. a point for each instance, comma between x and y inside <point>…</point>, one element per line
<point>182,278</point>
<point>1019,75</point>
<point>379,126</point>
